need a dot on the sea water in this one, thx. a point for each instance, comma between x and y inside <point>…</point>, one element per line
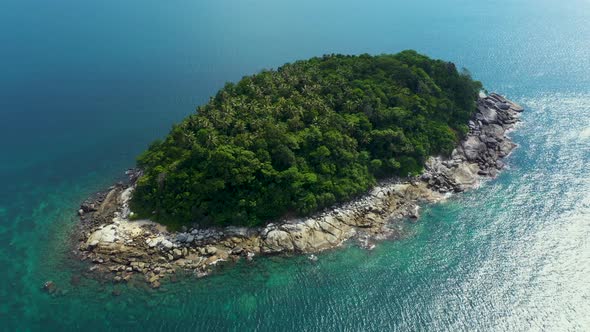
<point>86,85</point>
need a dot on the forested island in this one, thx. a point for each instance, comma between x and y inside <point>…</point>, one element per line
<point>298,160</point>
<point>292,141</point>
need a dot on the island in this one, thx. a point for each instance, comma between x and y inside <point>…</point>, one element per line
<point>298,160</point>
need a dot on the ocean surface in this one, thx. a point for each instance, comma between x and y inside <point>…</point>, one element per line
<point>85,86</point>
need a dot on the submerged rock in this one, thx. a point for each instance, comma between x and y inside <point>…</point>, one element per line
<point>49,287</point>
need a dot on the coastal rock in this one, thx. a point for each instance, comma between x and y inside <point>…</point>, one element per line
<point>505,148</point>
<point>182,237</point>
<point>414,212</point>
<point>152,242</point>
<point>107,234</point>
<point>177,253</point>
<point>237,231</point>
<point>495,131</point>
<point>277,240</point>
<point>88,207</point>
<point>210,250</point>
<point>464,175</point>
<point>472,147</point>
<point>166,244</point>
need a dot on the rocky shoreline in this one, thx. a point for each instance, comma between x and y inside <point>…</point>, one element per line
<point>120,247</point>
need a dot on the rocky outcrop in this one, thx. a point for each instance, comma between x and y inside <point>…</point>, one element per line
<point>480,151</point>
<point>121,247</point>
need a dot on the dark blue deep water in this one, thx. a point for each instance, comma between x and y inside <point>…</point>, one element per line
<point>86,85</point>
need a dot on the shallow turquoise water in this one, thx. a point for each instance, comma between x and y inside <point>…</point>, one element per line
<point>86,86</point>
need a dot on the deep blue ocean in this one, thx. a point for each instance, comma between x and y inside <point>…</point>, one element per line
<point>85,86</point>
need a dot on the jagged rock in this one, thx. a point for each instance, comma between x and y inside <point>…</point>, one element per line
<point>503,106</point>
<point>472,147</point>
<point>152,242</point>
<point>237,231</point>
<point>88,207</point>
<point>166,244</point>
<point>212,260</point>
<point>182,237</point>
<point>486,115</point>
<point>105,235</point>
<point>505,148</point>
<point>495,131</point>
<point>210,250</point>
<point>516,107</point>
<point>237,251</point>
<point>414,212</point>
<point>277,240</point>
<point>177,253</point>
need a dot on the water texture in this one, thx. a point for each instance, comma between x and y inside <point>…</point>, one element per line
<point>86,85</point>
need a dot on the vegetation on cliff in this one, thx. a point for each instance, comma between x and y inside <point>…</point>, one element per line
<point>303,137</point>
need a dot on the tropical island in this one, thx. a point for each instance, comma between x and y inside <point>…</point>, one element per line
<point>299,159</point>
<point>304,137</point>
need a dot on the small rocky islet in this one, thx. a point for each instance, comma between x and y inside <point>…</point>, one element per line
<point>119,247</point>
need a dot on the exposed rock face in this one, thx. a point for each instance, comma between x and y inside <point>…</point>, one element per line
<point>472,147</point>
<point>486,115</point>
<point>121,247</point>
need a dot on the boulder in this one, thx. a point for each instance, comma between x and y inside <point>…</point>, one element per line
<point>414,212</point>
<point>212,260</point>
<point>472,147</point>
<point>177,253</point>
<point>505,148</point>
<point>486,115</point>
<point>237,231</point>
<point>464,176</point>
<point>516,107</point>
<point>152,242</point>
<point>237,250</point>
<point>210,250</point>
<point>103,235</point>
<point>88,207</point>
<point>277,240</point>
<point>182,237</point>
<point>166,244</point>
<point>495,131</point>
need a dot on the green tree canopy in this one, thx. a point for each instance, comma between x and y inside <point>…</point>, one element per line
<point>300,138</point>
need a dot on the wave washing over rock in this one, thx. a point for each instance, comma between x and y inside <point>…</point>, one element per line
<point>121,248</point>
